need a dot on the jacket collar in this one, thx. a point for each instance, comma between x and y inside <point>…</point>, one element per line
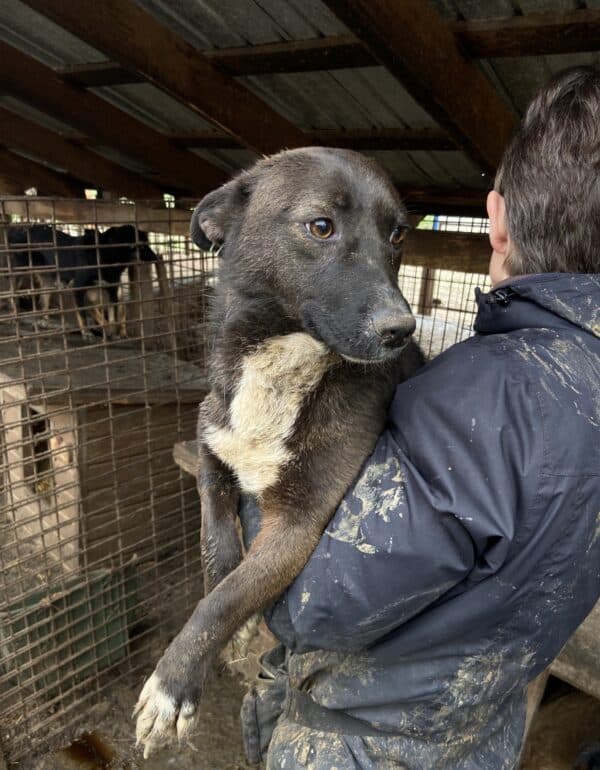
<point>548,300</point>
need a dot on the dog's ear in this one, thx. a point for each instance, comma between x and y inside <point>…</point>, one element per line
<point>217,211</point>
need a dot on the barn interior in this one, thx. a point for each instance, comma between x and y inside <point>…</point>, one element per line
<point>124,113</point>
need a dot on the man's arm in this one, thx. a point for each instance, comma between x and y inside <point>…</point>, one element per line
<point>434,504</point>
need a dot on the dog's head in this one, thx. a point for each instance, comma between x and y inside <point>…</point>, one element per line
<point>321,231</point>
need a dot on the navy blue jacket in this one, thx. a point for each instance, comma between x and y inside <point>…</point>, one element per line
<point>468,550</point>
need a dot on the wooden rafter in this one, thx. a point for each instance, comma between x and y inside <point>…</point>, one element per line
<point>439,200</point>
<point>535,34</point>
<point>415,44</point>
<point>375,139</point>
<point>98,74</point>
<point>323,53</point>
<point>27,79</point>
<point>132,37</point>
<point>24,135</point>
<point>26,173</point>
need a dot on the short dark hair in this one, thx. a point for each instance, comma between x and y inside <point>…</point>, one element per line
<point>550,178</point>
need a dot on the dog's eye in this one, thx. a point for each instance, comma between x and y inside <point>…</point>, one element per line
<point>397,235</point>
<point>320,228</point>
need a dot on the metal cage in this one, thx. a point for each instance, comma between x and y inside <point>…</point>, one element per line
<point>101,373</point>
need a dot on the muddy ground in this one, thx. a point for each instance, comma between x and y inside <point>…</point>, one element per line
<point>217,745</point>
<point>567,720</point>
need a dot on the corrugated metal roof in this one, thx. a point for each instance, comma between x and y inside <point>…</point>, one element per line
<point>343,99</point>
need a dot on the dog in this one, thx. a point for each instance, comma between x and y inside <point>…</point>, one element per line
<point>311,336</point>
<point>45,259</point>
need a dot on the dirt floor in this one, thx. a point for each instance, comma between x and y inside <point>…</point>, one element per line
<point>217,745</point>
<point>566,722</point>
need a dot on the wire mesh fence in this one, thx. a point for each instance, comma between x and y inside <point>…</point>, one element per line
<point>103,335</point>
<point>102,351</point>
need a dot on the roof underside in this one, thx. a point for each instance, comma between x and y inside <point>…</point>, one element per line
<point>355,99</point>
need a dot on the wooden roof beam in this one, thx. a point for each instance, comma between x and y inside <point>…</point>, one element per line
<point>98,74</point>
<point>536,34</point>
<point>454,201</point>
<point>132,37</point>
<point>83,164</point>
<point>32,82</point>
<point>27,173</point>
<point>439,76</point>
<point>373,139</point>
<point>323,53</point>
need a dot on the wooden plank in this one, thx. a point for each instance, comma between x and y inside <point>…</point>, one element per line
<point>536,34</point>
<point>177,221</point>
<point>28,174</point>
<point>439,200</point>
<point>439,76</point>
<point>324,53</point>
<point>447,251</point>
<point>135,504</point>
<point>98,74</point>
<point>32,82</point>
<point>132,37</point>
<point>88,212</point>
<point>425,301</point>
<point>374,139</point>
<point>86,373</point>
<point>185,454</point>
<point>83,164</point>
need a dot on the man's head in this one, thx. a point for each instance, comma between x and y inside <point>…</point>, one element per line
<point>545,208</point>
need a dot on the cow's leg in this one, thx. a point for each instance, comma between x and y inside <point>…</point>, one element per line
<point>46,291</point>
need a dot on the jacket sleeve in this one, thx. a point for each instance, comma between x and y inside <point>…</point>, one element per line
<point>432,509</point>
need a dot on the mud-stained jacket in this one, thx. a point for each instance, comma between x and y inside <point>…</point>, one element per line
<point>464,556</point>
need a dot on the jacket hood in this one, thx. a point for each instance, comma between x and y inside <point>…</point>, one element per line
<point>547,300</point>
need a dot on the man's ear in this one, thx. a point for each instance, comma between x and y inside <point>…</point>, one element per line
<point>499,235</point>
<point>216,212</point>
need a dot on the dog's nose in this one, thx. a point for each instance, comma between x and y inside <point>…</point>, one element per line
<point>393,327</point>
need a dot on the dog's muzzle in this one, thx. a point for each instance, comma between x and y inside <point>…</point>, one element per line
<point>392,327</point>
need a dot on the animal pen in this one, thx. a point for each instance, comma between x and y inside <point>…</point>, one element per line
<point>99,526</point>
<point>101,376</point>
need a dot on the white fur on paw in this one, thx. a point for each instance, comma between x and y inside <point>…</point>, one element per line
<point>159,719</point>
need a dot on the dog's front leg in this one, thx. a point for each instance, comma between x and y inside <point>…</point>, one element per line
<point>167,706</point>
<point>219,539</point>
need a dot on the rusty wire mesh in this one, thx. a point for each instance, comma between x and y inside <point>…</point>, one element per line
<point>99,528</point>
<point>98,525</point>
<point>443,300</point>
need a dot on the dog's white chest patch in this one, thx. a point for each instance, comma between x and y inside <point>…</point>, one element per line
<point>274,382</point>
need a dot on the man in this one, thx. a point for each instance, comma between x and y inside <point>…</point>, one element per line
<point>468,550</point>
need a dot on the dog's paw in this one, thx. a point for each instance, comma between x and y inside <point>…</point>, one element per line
<point>163,715</point>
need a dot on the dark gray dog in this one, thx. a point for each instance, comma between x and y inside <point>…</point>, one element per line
<point>310,339</point>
